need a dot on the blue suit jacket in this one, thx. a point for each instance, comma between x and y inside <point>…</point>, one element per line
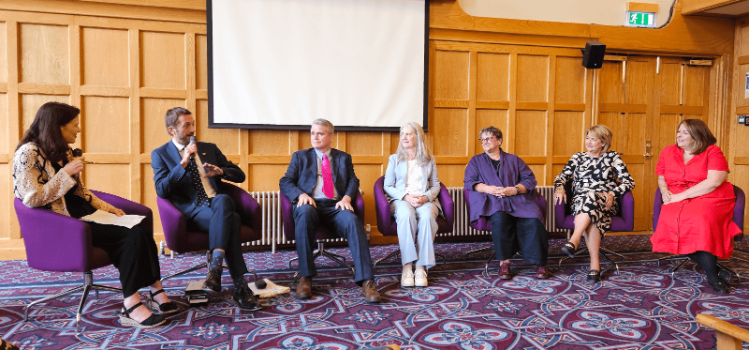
<point>173,182</point>
<point>301,175</point>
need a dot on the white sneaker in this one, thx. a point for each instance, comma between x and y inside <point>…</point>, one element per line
<point>421,278</point>
<point>407,279</point>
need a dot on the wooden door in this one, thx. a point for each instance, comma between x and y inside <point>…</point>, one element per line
<point>625,104</point>
<point>682,92</point>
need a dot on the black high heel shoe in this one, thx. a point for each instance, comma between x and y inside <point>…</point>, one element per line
<point>594,276</point>
<point>165,308</point>
<point>152,321</point>
<point>569,249</point>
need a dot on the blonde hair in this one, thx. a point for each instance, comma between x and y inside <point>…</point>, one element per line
<point>422,153</point>
<point>601,132</point>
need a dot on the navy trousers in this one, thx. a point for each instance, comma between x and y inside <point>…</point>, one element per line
<point>223,225</point>
<point>510,233</point>
<point>344,223</point>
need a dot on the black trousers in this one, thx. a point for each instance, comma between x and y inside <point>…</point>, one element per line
<point>132,251</point>
<point>224,227</point>
<point>528,234</point>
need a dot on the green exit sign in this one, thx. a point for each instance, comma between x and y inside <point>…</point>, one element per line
<point>640,19</point>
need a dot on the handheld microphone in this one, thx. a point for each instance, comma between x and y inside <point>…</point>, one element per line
<point>193,139</point>
<point>77,153</point>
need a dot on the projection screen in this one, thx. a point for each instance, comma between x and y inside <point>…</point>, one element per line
<point>280,64</point>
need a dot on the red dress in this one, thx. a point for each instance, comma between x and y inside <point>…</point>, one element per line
<point>701,223</point>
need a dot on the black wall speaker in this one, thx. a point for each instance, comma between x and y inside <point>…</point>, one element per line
<point>593,54</point>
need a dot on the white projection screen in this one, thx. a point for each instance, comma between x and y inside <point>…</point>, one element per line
<point>280,64</point>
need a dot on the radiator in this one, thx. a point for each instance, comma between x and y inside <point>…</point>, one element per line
<point>272,224</point>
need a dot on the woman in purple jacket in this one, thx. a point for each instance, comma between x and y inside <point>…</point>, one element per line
<point>501,188</point>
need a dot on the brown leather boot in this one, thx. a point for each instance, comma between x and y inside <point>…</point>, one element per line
<point>371,295</point>
<point>542,272</point>
<point>304,288</point>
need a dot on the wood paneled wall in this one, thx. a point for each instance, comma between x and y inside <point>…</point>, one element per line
<point>125,62</point>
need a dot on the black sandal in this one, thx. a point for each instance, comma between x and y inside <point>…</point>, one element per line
<point>569,249</point>
<point>152,321</point>
<point>594,276</point>
<point>165,308</point>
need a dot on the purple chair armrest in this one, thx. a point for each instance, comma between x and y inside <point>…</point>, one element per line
<point>382,208</point>
<point>247,207</point>
<point>173,222</point>
<point>657,204</point>
<point>559,213</point>
<point>448,206</point>
<point>482,224</point>
<point>129,207</point>
<point>738,209</point>
<point>627,212</point>
<point>67,247</point>
<point>359,207</point>
<point>288,217</point>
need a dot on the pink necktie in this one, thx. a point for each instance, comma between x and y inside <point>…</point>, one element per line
<point>327,178</point>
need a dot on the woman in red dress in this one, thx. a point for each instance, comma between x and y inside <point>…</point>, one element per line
<point>696,217</point>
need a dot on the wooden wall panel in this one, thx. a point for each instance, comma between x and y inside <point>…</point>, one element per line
<point>637,89</point>
<point>43,54</point>
<point>610,76</point>
<point>450,175</point>
<point>365,144</point>
<point>671,73</point>
<point>105,124</point>
<point>451,75</point>
<point>6,192</point>
<point>533,78</point>
<point>201,62</point>
<point>631,137</point>
<point>3,53</point>
<point>450,136</point>
<point>226,139</point>
<point>530,133</point>
<point>493,77</point>
<point>148,195</point>
<point>110,178</point>
<point>570,80</point>
<point>569,132</point>
<point>270,142</point>
<point>31,103</point>
<point>104,57</point>
<point>695,77</point>
<point>540,171</point>
<point>154,129</point>
<point>742,41</point>
<point>264,177</point>
<point>162,60</point>
<point>5,147</point>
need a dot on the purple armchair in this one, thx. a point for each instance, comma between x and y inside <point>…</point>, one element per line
<point>738,218</point>
<point>60,243</point>
<point>321,234</point>
<point>623,221</point>
<point>484,224</point>
<point>180,240</point>
<point>386,221</point>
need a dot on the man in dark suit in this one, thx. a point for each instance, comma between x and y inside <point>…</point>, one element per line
<point>189,174</point>
<point>320,181</point>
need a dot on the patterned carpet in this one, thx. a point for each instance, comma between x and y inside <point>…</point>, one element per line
<point>643,308</point>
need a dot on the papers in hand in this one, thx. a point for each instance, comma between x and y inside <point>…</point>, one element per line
<point>106,218</point>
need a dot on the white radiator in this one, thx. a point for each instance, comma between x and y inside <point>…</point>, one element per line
<point>272,225</point>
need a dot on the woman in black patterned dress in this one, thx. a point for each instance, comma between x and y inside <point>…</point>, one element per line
<point>599,177</point>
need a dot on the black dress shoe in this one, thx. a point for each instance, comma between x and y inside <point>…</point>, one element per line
<point>244,299</point>
<point>213,281</point>
<point>594,276</point>
<point>569,249</point>
<point>720,286</point>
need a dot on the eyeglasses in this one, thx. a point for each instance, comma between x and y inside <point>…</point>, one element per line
<point>486,139</point>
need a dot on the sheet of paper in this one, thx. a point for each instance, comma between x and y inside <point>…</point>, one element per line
<point>106,218</point>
